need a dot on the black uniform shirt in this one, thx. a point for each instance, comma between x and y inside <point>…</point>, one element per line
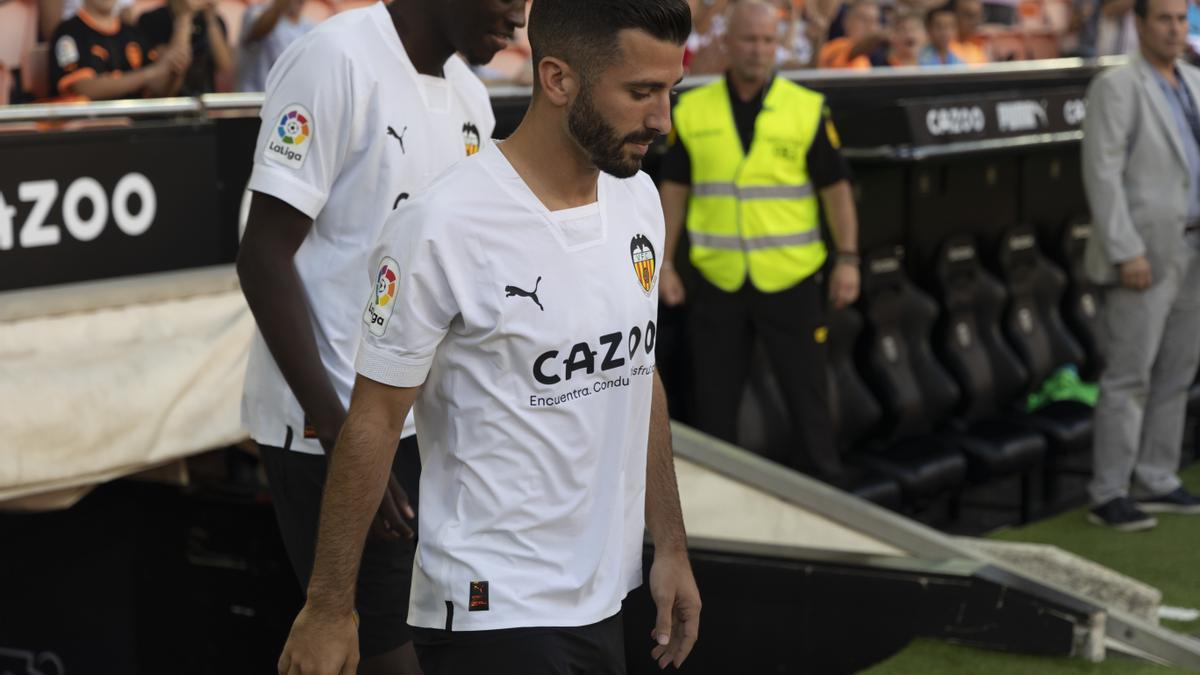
<point>84,47</point>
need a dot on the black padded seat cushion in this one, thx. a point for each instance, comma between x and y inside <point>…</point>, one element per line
<point>924,467</point>
<point>1067,425</point>
<point>869,484</point>
<point>997,447</point>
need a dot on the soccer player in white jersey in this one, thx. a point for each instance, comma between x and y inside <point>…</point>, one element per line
<point>360,114</point>
<point>515,306</point>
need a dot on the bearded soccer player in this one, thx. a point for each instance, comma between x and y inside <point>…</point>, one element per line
<point>359,115</point>
<point>516,309</point>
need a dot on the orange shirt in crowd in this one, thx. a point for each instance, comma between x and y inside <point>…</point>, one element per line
<point>836,54</point>
<point>970,51</point>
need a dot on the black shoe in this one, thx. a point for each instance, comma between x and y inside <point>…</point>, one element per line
<point>1179,501</point>
<point>1122,515</point>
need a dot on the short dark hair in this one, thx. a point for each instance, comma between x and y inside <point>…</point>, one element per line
<point>584,32</point>
<point>947,8</point>
<point>1141,8</point>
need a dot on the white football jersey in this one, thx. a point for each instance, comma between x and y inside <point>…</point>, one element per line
<point>350,131</point>
<point>533,333</point>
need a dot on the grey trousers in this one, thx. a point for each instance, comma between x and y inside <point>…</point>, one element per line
<point>1152,347</point>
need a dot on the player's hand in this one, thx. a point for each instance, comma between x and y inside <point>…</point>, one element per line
<point>395,513</point>
<point>1135,274</point>
<point>678,603</point>
<point>844,285</point>
<point>320,644</point>
<point>670,287</point>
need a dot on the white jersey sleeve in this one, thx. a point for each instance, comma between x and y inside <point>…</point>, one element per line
<point>307,122</point>
<point>412,303</point>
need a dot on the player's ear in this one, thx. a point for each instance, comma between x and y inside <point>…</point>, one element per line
<point>558,80</point>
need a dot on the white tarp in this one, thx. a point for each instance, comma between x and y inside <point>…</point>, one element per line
<point>88,396</point>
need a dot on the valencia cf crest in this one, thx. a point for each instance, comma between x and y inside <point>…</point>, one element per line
<point>641,254</point>
<point>471,138</point>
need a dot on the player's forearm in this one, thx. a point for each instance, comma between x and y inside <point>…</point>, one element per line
<point>841,215</point>
<point>664,517</point>
<point>276,298</point>
<point>674,197</point>
<point>354,485</point>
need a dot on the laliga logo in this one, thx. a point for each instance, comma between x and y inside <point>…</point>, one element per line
<point>293,128</point>
<point>291,136</point>
<point>385,286</point>
<point>380,305</point>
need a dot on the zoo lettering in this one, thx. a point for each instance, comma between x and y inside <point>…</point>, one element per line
<point>37,230</point>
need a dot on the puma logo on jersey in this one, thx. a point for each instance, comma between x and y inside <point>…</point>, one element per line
<point>402,197</point>
<point>399,137</point>
<point>510,291</point>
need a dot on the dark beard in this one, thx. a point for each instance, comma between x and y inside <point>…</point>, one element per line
<point>599,139</point>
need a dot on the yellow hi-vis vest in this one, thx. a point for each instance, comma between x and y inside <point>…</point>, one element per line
<point>752,214</point>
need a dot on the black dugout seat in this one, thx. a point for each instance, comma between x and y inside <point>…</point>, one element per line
<point>1037,333</point>
<point>990,377</point>
<point>853,410</point>
<point>1081,299</point>
<point>765,428</point>
<point>916,394</point>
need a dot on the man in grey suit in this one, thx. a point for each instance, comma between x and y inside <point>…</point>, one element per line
<point>1141,162</point>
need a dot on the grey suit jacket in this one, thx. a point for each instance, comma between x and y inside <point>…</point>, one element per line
<point>1134,169</point>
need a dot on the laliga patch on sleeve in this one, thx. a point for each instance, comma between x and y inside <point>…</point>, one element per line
<point>66,52</point>
<point>291,140</point>
<point>383,297</point>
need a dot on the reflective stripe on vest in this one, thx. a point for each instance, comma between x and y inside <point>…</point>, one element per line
<point>752,215</point>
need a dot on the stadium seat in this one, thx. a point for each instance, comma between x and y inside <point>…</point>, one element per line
<point>916,394</point>
<point>990,376</point>
<point>854,412</point>
<point>18,30</point>
<point>35,71</point>
<point>1036,331</point>
<point>1081,300</point>
<point>765,428</point>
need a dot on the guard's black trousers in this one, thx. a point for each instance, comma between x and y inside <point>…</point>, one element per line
<point>791,326</point>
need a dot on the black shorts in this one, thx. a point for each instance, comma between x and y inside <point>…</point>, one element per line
<point>381,598</point>
<point>598,649</point>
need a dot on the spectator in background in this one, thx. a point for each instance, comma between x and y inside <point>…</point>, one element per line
<point>863,36</point>
<point>970,45</point>
<point>53,12</point>
<point>907,40</point>
<point>704,52</point>
<point>804,32</point>
<point>97,56</point>
<point>941,25</point>
<point>267,30</point>
<point>1116,30</point>
<point>191,26</point>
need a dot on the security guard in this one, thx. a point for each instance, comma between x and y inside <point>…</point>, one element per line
<point>751,155</point>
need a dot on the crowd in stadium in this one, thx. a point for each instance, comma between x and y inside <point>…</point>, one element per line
<point>71,49</point>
